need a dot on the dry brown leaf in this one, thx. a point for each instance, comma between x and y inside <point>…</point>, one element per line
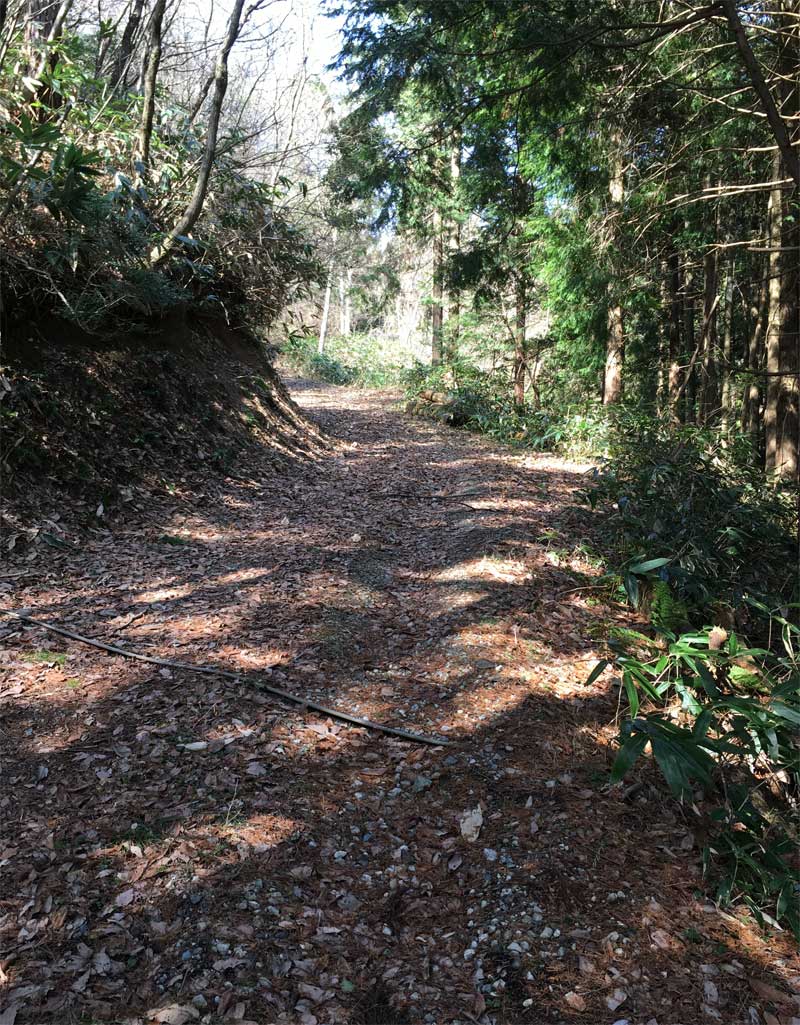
<point>769,992</point>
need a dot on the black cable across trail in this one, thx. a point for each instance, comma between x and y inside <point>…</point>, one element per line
<point>278,692</point>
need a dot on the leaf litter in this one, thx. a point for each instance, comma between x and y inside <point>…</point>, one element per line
<point>179,849</point>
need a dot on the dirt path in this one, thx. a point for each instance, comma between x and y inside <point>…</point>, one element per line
<point>179,849</point>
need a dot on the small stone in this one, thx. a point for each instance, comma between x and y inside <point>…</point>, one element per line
<point>575,1001</point>
<point>660,939</point>
<point>470,824</point>
<point>710,992</point>
<point>489,854</point>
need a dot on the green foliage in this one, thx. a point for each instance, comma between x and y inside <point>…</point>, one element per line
<point>361,360</point>
<point>462,395</point>
<point>77,226</point>
<point>678,495</point>
<point>47,657</point>
<point>737,746</point>
<point>667,611</point>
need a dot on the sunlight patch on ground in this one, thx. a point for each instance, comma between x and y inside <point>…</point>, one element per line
<point>164,594</point>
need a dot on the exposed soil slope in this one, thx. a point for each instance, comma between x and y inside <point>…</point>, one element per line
<point>182,849</point>
<point>93,432</point>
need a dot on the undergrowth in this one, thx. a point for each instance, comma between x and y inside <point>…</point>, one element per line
<point>363,361</point>
<point>462,395</point>
<point>681,506</point>
<point>694,537</point>
<point>720,719</point>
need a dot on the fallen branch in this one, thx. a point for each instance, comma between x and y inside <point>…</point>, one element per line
<point>277,692</point>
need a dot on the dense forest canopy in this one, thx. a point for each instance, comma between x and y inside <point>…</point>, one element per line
<point>633,163</point>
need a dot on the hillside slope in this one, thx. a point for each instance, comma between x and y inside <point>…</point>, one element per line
<point>98,432</point>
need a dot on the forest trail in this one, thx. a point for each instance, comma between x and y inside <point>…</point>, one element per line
<point>186,849</point>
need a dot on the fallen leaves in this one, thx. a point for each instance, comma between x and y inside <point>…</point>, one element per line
<point>767,991</point>
<point>661,939</point>
<point>195,852</point>
<point>575,1001</point>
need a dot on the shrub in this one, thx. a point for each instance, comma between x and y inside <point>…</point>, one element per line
<point>360,360</point>
<point>680,508</point>
<point>723,717</point>
<point>478,400</point>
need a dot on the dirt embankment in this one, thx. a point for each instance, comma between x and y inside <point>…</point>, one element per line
<point>96,431</point>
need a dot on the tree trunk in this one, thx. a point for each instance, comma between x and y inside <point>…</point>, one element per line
<point>341,305</point>
<point>437,294</point>
<point>141,153</point>
<point>782,413</point>
<point>196,203</point>
<point>326,309</point>
<point>454,246</point>
<point>727,356</point>
<point>122,58</point>
<point>708,382</point>
<point>787,464</point>
<point>674,372</point>
<point>45,20</point>
<point>40,17</point>
<point>201,99</point>
<point>774,116</point>
<point>520,352</point>
<point>751,406</point>
<point>615,356</point>
<point>615,339</point>
<point>348,304</point>
<point>662,373</point>
<point>690,377</point>
<point>708,374</point>
<point>772,342</point>
<point>788,411</point>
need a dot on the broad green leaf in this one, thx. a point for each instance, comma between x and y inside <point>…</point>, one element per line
<point>629,751</point>
<point>650,564</point>
<point>596,672</point>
